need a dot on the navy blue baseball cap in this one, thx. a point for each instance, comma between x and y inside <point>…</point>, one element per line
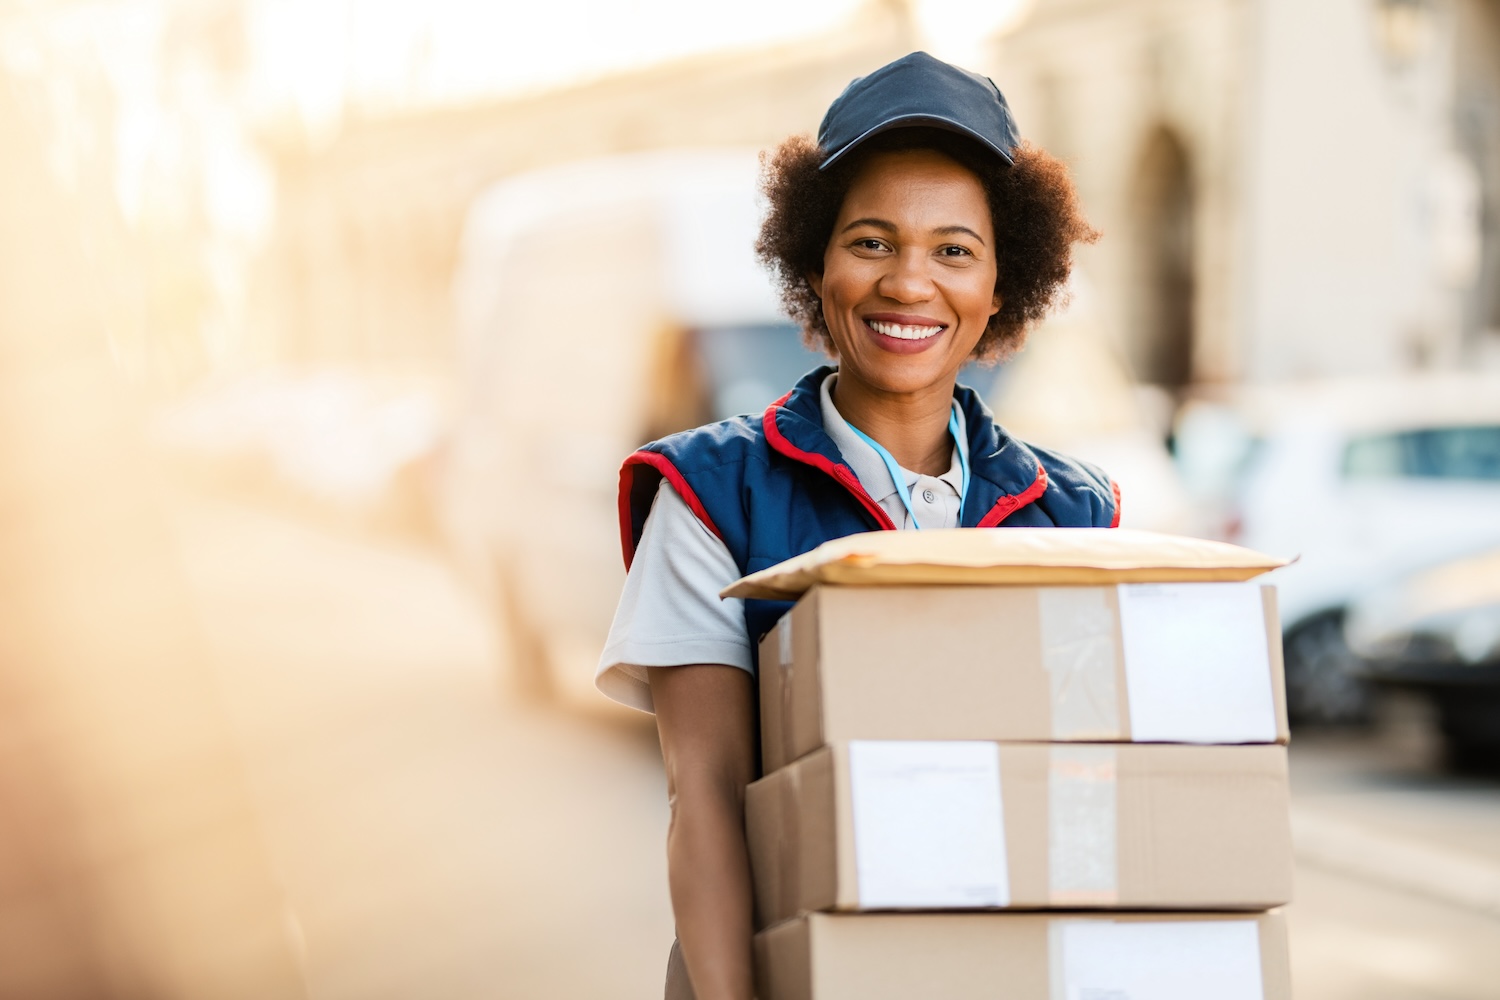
<point>918,89</point>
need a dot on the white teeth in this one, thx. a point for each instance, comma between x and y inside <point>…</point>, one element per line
<point>901,332</point>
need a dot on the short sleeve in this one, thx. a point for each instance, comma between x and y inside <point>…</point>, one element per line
<point>670,613</point>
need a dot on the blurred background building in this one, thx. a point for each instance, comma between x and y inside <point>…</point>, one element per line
<point>1287,189</point>
<point>1291,189</point>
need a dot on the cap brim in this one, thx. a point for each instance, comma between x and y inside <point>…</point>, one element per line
<point>914,121</point>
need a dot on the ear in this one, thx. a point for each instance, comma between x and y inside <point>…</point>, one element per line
<point>995,301</point>
<point>815,282</point>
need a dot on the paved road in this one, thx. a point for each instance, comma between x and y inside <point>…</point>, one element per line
<point>1398,886</point>
<point>437,840</point>
<point>434,841</point>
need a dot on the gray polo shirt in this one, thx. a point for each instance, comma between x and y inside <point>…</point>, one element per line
<point>670,613</point>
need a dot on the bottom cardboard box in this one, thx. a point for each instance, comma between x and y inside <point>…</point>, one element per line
<point>1025,956</point>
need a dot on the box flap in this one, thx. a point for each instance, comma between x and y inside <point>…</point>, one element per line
<point>1027,556</point>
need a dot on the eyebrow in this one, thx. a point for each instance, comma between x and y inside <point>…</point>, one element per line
<point>890,227</point>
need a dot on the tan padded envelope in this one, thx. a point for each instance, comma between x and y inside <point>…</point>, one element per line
<point>1028,556</point>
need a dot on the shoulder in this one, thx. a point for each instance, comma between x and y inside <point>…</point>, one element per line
<point>705,466</point>
<point>745,438</point>
<point>1078,493</point>
<point>724,442</point>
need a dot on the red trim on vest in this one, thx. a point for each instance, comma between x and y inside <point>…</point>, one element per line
<point>1009,504</point>
<point>841,473</point>
<point>663,465</point>
<point>1115,489</point>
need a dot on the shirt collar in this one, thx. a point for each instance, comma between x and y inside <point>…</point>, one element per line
<point>867,465</point>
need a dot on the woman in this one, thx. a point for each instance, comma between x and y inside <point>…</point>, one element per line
<point>918,233</point>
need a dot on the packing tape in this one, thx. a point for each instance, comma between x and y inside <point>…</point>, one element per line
<point>789,844</point>
<point>1078,651</point>
<point>1082,868</point>
<point>784,656</point>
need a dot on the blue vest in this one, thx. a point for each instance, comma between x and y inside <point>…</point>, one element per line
<point>775,486</point>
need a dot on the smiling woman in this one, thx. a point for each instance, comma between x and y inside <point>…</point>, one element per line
<point>908,289</point>
<point>1032,201</point>
<point>916,234</point>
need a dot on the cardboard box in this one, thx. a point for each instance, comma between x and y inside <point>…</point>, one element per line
<point>1144,662</point>
<point>875,825</point>
<point>1025,956</point>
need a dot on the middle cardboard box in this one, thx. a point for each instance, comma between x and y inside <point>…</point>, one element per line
<point>929,825</point>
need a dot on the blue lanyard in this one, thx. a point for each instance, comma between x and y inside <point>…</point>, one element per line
<point>899,478</point>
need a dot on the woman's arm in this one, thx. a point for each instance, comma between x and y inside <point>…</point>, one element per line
<point>705,715</point>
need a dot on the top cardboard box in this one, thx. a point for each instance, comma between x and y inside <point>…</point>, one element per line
<point>1019,634</point>
<point>1151,663</point>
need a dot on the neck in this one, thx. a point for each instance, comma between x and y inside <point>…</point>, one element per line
<point>913,427</point>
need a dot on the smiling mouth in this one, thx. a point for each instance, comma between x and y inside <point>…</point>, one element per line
<point>901,331</point>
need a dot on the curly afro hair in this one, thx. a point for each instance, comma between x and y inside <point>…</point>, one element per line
<point>1033,206</point>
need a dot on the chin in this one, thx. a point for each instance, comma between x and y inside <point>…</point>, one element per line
<point>909,374</point>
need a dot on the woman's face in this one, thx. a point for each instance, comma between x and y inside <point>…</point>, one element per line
<point>908,282</point>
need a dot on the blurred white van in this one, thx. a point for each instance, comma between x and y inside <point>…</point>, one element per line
<point>599,305</point>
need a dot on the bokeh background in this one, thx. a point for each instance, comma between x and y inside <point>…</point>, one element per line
<point>324,325</point>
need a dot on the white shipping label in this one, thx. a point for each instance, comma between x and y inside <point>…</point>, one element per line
<point>928,827</point>
<point>1157,960</point>
<point>1197,667</point>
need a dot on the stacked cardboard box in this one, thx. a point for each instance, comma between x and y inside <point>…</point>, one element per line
<point>1063,777</point>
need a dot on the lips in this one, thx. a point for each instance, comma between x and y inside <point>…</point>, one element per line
<point>905,331</point>
<point>903,334</point>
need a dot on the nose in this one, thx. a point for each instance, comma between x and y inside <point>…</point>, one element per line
<point>906,279</point>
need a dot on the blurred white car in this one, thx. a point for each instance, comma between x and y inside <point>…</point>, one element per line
<point>1438,632</point>
<point>1365,481</point>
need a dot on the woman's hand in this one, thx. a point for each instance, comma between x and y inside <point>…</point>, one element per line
<point>705,715</point>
